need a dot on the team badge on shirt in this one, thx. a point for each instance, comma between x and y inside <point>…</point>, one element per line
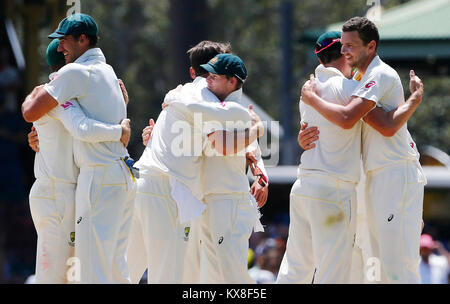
<point>72,239</point>
<point>186,233</point>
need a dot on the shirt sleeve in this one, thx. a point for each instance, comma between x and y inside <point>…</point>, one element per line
<point>371,88</point>
<point>84,128</point>
<point>221,112</point>
<point>68,83</point>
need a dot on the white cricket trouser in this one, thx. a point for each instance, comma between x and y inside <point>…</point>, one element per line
<point>227,225</point>
<point>394,204</point>
<point>191,274</point>
<point>104,208</point>
<point>321,231</point>
<point>160,234</point>
<point>136,252</point>
<point>52,205</point>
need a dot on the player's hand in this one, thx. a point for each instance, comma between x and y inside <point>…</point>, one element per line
<point>415,86</point>
<point>147,132</point>
<point>124,91</point>
<point>260,193</point>
<point>251,158</point>
<point>33,140</point>
<point>256,121</point>
<point>307,137</point>
<point>309,89</point>
<point>126,132</point>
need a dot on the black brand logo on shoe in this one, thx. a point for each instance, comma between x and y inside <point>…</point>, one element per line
<point>79,219</point>
<point>221,240</point>
<point>390,217</point>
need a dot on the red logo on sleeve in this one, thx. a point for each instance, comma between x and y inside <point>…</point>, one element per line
<point>411,144</point>
<point>66,105</point>
<point>370,84</point>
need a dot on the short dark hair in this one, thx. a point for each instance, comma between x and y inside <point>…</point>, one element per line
<point>367,30</point>
<point>329,54</point>
<point>92,39</point>
<point>203,52</point>
<point>57,66</point>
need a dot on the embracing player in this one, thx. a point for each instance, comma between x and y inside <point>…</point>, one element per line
<point>52,196</point>
<point>395,180</point>
<point>105,186</point>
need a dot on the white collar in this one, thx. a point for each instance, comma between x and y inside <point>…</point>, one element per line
<point>91,54</point>
<point>234,96</point>
<point>327,72</point>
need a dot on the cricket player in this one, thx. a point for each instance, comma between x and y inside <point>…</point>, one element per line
<point>105,186</point>
<point>231,212</point>
<point>198,55</point>
<point>168,195</point>
<point>52,197</point>
<point>322,200</point>
<point>395,180</point>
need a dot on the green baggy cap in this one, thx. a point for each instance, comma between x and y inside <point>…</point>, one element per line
<point>76,24</point>
<point>326,40</point>
<point>52,55</point>
<point>227,64</point>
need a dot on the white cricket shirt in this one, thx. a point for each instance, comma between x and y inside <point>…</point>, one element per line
<point>55,130</point>
<point>176,143</point>
<point>382,85</point>
<point>338,150</point>
<point>94,85</point>
<point>224,174</point>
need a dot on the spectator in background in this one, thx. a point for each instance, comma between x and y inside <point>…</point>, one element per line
<point>434,268</point>
<point>267,261</point>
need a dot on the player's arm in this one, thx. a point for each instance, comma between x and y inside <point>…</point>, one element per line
<point>69,83</point>
<point>228,143</point>
<point>388,123</point>
<point>344,116</point>
<point>90,130</point>
<point>37,104</point>
<point>221,112</point>
<point>260,187</point>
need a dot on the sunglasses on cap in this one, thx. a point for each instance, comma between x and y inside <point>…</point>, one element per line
<point>327,46</point>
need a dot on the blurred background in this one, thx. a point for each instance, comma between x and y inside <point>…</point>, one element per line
<point>146,43</point>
